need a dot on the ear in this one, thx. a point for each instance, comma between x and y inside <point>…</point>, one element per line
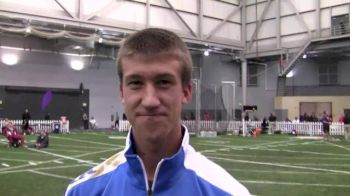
<point>187,93</point>
<point>121,92</point>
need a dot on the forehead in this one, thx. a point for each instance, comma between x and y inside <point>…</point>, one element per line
<point>149,66</point>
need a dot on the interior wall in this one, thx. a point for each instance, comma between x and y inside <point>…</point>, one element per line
<point>53,71</point>
<point>263,94</point>
<point>71,103</point>
<point>217,68</point>
<point>339,103</point>
<point>306,72</point>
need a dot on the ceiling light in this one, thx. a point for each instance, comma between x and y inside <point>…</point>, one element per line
<point>9,59</point>
<point>206,53</point>
<point>100,40</point>
<point>290,74</point>
<point>304,56</point>
<point>77,47</point>
<point>77,65</point>
<point>28,30</point>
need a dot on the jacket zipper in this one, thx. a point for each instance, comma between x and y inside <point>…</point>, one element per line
<point>150,191</point>
<point>156,175</point>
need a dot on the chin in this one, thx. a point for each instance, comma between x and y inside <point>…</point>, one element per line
<point>153,128</point>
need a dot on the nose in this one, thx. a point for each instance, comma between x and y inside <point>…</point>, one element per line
<point>150,98</point>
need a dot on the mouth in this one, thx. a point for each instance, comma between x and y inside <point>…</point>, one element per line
<point>150,114</point>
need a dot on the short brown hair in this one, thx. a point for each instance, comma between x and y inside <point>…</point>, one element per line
<point>153,42</point>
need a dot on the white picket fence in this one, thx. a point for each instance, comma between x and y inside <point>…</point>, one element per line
<point>302,128</point>
<point>38,125</point>
<point>310,128</point>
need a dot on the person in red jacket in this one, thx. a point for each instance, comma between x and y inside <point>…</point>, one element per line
<point>12,135</point>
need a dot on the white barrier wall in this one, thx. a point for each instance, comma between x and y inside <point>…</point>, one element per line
<point>302,128</point>
<point>38,125</point>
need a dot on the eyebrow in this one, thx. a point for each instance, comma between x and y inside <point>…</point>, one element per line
<point>165,75</point>
<point>140,76</point>
<point>133,76</point>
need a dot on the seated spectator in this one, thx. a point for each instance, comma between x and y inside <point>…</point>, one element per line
<point>42,140</point>
<point>207,116</point>
<point>295,120</point>
<point>93,123</point>
<point>27,130</point>
<point>14,138</point>
<point>341,118</point>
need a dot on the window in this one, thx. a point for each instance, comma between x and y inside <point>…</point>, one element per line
<point>328,74</point>
<point>252,75</point>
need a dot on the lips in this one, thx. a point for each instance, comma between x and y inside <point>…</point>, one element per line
<point>151,114</point>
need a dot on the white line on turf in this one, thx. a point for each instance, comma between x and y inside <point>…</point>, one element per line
<point>280,165</point>
<point>294,183</point>
<point>15,160</point>
<point>32,163</point>
<point>43,162</point>
<point>80,146</point>
<point>51,175</point>
<point>5,164</point>
<point>86,141</point>
<point>57,161</point>
<point>43,168</point>
<point>280,156</point>
<point>322,164</point>
<point>309,152</point>
<point>228,147</point>
<point>65,157</point>
<point>281,172</point>
<point>338,146</point>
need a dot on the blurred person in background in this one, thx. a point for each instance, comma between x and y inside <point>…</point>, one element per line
<point>42,140</point>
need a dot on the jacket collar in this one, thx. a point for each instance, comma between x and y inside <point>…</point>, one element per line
<point>168,171</point>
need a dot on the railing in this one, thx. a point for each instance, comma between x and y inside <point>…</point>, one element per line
<point>302,128</point>
<point>38,125</point>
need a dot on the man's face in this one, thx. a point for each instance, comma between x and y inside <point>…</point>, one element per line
<point>152,94</point>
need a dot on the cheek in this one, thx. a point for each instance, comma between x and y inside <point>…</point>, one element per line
<point>130,99</point>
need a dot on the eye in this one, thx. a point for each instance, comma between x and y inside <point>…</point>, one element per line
<point>164,83</point>
<point>134,84</point>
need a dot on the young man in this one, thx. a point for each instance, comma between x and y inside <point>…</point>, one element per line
<point>154,68</point>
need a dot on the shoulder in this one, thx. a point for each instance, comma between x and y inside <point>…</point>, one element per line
<point>96,177</point>
<point>213,173</point>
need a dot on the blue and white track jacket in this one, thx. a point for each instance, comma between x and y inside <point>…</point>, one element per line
<point>185,173</point>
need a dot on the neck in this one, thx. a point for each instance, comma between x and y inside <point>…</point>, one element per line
<point>152,152</point>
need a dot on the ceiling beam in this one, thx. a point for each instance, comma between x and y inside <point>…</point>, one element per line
<point>258,25</point>
<point>148,10</point>
<point>221,24</point>
<point>65,9</point>
<point>300,18</point>
<point>318,18</point>
<point>182,20</point>
<point>103,11</point>
<point>278,24</point>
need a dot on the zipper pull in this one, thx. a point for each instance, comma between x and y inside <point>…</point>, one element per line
<point>150,192</point>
